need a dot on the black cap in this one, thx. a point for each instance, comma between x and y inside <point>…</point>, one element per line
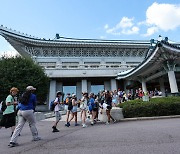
<point>59,93</point>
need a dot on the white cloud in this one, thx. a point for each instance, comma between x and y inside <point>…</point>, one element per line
<point>142,23</point>
<point>106,26</point>
<point>151,31</point>
<point>125,22</point>
<point>125,26</point>
<point>102,37</point>
<point>133,30</point>
<point>159,17</point>
<point>163,16</point>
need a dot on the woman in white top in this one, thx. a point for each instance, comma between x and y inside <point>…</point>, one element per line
<point>84,107</point>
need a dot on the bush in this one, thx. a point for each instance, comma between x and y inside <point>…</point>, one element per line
<point>155,107</point>
<point>20,72</point>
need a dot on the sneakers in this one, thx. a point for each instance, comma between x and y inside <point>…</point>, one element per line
<point>92,123</point>
<point>107,123</point>
<point>68,124</point>
<point>13,144</point>
<point>88,118</point>
<point>95,121</point>
<point>54,129</point>
<point>36,139</point>
<point>76,124</point>
<point>84,126</point>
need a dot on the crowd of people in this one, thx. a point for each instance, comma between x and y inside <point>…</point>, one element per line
<point>24,109</point>
<point>122,96</point>
<point>90,105</point>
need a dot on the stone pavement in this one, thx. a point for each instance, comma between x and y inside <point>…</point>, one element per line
<point>129,136</point>
<point>160,136</point>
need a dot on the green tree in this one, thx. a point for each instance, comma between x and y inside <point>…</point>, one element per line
<point>20,72</point>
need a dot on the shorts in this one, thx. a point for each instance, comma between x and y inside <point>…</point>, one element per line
<point>74,109</point>
<point>70,108</point>
<point>8,120</point>
<point>95,109</point>
<point>57,115</point>
<point>83,107</point>
<point>108,107</point>
<point>66,107</point>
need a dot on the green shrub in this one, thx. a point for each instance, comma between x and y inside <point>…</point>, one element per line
<point>20,72</point>
<point>155,107</point>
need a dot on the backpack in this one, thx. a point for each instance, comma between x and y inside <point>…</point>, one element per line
<point>3,106</point>
<point>70,106</point>
<point>52,105</point>
<point>91,104</point>
<point>66,101</point>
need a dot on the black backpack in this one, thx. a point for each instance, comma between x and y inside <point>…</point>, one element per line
<point>52,105</point>
<point>70,106</point>
<point>3,106</point>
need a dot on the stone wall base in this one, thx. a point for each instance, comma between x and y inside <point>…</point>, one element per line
<point>116,113</point>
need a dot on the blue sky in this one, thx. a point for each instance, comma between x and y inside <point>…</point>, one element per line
<point>93,19</point>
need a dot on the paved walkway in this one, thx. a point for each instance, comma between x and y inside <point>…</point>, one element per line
<point>160,136</point>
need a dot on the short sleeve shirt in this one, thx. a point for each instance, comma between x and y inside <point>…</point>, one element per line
<point>57,107</point>
<point>10,108</point>
<point>31,103</point>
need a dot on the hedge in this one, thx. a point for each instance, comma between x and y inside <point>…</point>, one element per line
<point>164,106</point>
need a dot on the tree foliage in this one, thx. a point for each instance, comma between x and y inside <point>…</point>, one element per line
<point>20,72</point>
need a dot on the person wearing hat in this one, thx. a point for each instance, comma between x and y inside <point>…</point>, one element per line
<point>56,111</point>
<point>9,117</point>
<point>27,104</point>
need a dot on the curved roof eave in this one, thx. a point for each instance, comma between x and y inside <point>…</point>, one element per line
<point>172,47</point>
<point>139,67</point>
<point>5,32</point>
<point>128,74</point>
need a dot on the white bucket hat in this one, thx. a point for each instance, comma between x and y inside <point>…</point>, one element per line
<point>29,88</point>
<point>73,95</point>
